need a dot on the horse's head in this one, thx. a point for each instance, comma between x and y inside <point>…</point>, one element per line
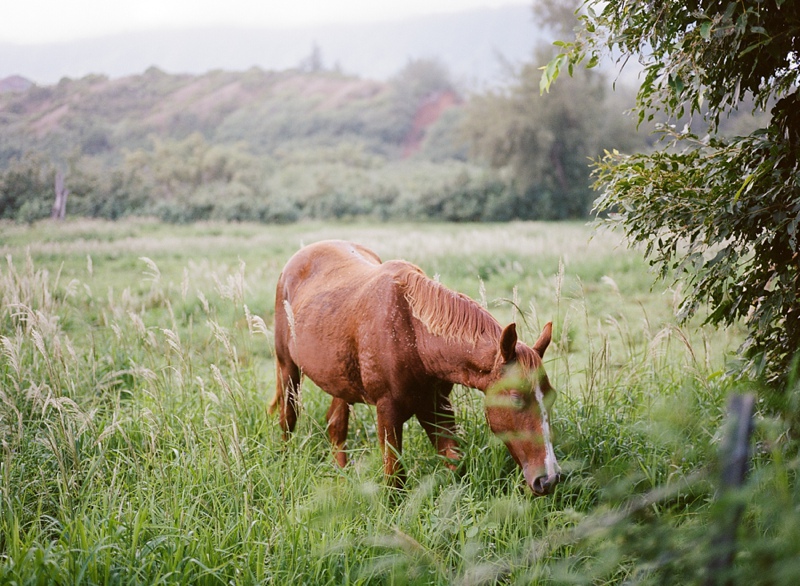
<point>518,405</point>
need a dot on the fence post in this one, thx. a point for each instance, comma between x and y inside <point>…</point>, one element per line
<point>734,457</point>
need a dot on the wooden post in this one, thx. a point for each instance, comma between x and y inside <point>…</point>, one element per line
<point>734,457</point>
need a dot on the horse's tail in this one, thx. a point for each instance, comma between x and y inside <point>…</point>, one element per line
<point>280,342</point>
<point>273,404</point>
<point>280,388</point>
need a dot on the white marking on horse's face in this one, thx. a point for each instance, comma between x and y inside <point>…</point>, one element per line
<point>550,462</point>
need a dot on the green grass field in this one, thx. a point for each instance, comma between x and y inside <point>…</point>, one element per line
<point>136,367</point>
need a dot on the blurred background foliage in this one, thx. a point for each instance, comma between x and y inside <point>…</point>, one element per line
<point>312,142</point>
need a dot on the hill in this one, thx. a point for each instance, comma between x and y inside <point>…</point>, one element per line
<point>257,145</point>
<point>288,110</point>
<point>468,43</point>
<point>15,83</point>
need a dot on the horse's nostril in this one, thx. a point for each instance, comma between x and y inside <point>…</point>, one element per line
<point>544,484</point>
<point>540,485</point>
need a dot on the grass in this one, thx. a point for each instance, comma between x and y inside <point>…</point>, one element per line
<point>136,367</point>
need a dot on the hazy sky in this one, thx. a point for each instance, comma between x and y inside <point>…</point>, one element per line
<point>33,21</point>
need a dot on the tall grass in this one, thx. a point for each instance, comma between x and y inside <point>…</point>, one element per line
<point>136,366</point>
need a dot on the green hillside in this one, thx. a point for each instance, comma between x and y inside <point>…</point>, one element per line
<point>271,111</point>
<point>254,145</point>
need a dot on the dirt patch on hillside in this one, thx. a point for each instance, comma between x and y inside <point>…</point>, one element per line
<point>50,121</point>
<point>201,99</point>
<point>330,92</point>
<point>428,113</point>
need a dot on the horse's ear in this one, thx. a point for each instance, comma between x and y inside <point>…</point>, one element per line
<point>508,343</point>
<point>544,339</point>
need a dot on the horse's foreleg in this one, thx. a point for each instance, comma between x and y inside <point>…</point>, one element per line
<point>338,418</point>
<point>390,436</point>
<point>439,423</point>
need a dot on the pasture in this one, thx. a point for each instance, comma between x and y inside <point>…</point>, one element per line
<point>136,366</point>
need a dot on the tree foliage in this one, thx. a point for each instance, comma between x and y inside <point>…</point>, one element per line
<point>545,143</point>
<point>722,213</point>
<point>26,189</point>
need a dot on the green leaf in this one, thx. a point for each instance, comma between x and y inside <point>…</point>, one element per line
<point>551,71</point>
<point>747,181</point>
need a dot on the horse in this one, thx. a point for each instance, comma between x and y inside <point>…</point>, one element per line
<point>383,333</point>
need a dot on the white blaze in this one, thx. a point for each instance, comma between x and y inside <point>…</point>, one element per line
<point>550,463</point>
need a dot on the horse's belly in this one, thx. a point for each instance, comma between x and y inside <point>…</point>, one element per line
<point>334,370</point>
<point>339,387</point>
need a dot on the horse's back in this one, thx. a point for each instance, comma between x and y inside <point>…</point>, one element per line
<point>329,263</point>
<point>333,302</point>
<point>320,283</point>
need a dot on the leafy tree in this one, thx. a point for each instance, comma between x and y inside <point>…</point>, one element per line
<point>546,142</point>
<point>26,189</point>
<point>421,78</point>
<point>417,81</point>
<point>543,143</point>
<point>174,169</point>
<point>443,140</point>
<point>313,63</point>
<point>722,213</point>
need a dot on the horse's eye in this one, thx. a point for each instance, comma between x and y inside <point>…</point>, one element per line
<point>518,400</point>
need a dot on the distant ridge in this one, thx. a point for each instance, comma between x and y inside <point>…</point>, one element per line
<point>274,112</point>
<point>472,44</point>
<point>15,84</point>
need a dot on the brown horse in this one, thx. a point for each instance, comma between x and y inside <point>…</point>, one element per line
<point>384,334</point>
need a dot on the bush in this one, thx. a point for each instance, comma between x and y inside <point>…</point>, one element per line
<point>26,189</point>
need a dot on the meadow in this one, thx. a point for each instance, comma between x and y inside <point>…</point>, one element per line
<point>136,368</point>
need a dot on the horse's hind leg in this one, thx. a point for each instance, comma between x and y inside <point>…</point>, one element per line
<point>338,419</point>
<point>286,392</point>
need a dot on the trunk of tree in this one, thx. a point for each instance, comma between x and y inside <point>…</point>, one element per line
<point>59,210</point>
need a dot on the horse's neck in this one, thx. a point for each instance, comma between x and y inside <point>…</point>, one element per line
<point>460,362</point>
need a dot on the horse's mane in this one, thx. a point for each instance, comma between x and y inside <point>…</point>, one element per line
<point>445,313</point>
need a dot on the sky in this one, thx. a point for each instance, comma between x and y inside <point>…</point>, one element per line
<point>42,21</point>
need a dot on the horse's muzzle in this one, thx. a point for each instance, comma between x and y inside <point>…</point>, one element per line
<point>543,485</point>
